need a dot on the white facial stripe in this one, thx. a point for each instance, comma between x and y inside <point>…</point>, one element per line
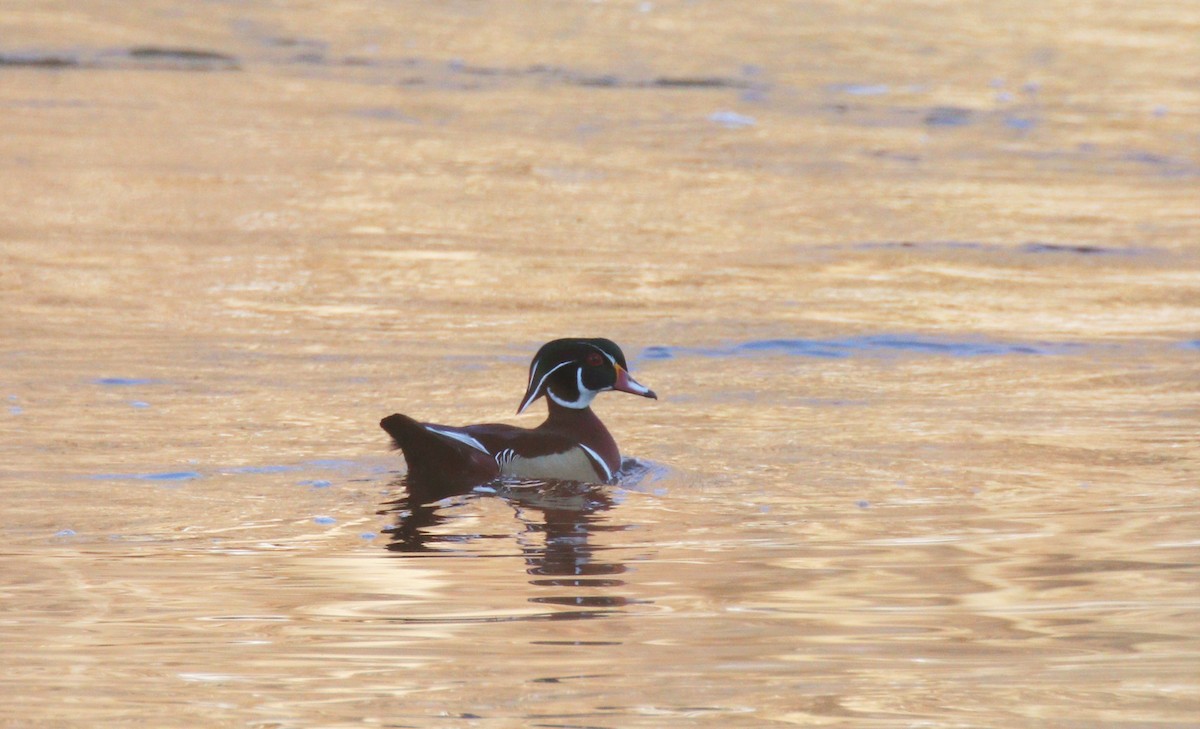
<point>460,437</point>
<point>601,351</point>
<point>533,393</point>
<point>599,461</point>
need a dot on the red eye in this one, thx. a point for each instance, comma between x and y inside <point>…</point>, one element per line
<point>594,360</point>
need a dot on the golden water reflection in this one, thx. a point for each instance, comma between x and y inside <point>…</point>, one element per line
<point>918,285</point>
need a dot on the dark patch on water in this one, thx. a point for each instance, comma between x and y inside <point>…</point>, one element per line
<point>571,77</point>
<point>315,58</point>
<point>455,73</point>
<point>184,58</point>
<point>949,116</point>
<point>895,156</point>
<point>1031,247</point>
<point>1165,165</point>
<point>1021,124</point>
<point>690,82</point>
<point>656,352</point>
<point>1148,158</point>
<point>459,66</point>
<point>385,114</point>
<point>38,60</point>
<point>600,82</point>
<point>1083,250</point>
<point>178,59</point>
<point>870,344</point>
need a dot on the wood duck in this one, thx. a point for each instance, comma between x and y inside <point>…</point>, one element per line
<point>571,445</point>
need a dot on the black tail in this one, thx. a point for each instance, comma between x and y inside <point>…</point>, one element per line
<point>402,428</point>
<point>436,464</point>
<point>422,449</point>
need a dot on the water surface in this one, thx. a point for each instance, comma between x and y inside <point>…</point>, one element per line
<point>919,292</point>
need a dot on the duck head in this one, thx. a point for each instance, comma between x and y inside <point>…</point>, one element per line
<point>571,372</point>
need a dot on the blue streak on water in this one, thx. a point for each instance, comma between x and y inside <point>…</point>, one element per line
<point>1021,124</point>
<point>870,344</point>
<point>1082,249</point>
<point>317,483</point>
<point>385,114</point>
<point>165,476</point>
<point>657,352</point>
<point>324,520</point>
<point>331,463</point>
<point>861,89</point>
<point>125,381</point>
<point>262,469</point>
<point>1031,247</point>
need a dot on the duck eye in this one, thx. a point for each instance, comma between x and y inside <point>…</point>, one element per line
<point>594,360</point>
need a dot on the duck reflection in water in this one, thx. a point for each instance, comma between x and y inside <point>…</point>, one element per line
<point>559,518</point>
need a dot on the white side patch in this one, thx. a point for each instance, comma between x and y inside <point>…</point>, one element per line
<point>599,461</point>
<point>460,437</point>
<point>571,465</point>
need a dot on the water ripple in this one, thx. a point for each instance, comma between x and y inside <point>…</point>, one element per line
<point>875,344</point>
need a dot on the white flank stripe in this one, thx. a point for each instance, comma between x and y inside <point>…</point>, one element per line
<point>599,461</point>
<point>460,437</point>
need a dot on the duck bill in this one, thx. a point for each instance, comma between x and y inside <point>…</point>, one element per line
<point>625,383</point>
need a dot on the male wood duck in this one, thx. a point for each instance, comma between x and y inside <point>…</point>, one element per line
<point>571,445</point>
